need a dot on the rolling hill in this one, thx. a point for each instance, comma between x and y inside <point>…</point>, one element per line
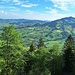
<point>52,32</point>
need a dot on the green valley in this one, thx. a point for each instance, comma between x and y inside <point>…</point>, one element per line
<point>51,31</point>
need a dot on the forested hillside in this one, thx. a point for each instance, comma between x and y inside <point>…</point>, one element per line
<point>51,31</point>
<point>17,59</point>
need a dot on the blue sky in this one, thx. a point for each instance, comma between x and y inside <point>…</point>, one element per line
<point>37,9</point>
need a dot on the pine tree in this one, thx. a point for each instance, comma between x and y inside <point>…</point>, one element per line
<point>40,43</point>
<point>32,47</point>
<point>69,42</point>
<point>68,54</point>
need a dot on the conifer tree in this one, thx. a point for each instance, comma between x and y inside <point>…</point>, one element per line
<point>68,54</point>
<point>32,47</point>
<point>40,43</point>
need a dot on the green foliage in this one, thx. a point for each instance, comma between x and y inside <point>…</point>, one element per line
<point>18,60</point>
<point>33,29</point>
<point>10,36</point>
<point>40,60</point>
<point>41,43</point>
<point>68,54</point>
<point>10,46</point>
<point>55,66</point>
<point>68,29</point>
<point>69,42</point>
<point>55,49</point>
<point>32,47</point>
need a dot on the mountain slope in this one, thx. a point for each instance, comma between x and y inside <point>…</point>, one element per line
<point>31,30</point>
<point>63,21</point>
<point>54,31</point>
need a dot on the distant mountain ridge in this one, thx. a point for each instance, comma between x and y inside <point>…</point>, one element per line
<point>63,21</point>
<point>69,20</point>
<point>18,21</point>
<point>59,22</point>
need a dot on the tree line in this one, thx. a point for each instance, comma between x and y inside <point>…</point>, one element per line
<point>16,60</point>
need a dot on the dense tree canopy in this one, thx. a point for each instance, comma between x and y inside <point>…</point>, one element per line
<point>11,44</point>
<point>34,60</point>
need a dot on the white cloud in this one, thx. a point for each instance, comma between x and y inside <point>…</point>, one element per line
<point>42,16</point>
<point>29,5</point>
<point>3,12</point>
<point>32,15</point>
<point>50,10</point>
<point>15,0</point>
<point>63,4</point>
<point>7,1</point>
<point>10,0</point>
<point>13,9</point>
<point>28,14</point>
<point>24,3</point>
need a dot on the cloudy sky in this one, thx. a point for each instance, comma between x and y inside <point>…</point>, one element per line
<point>37,9</point>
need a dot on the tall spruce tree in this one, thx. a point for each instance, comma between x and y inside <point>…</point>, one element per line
<point>32,47</point>
<point>68,54</point>
<point>40,43</point>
